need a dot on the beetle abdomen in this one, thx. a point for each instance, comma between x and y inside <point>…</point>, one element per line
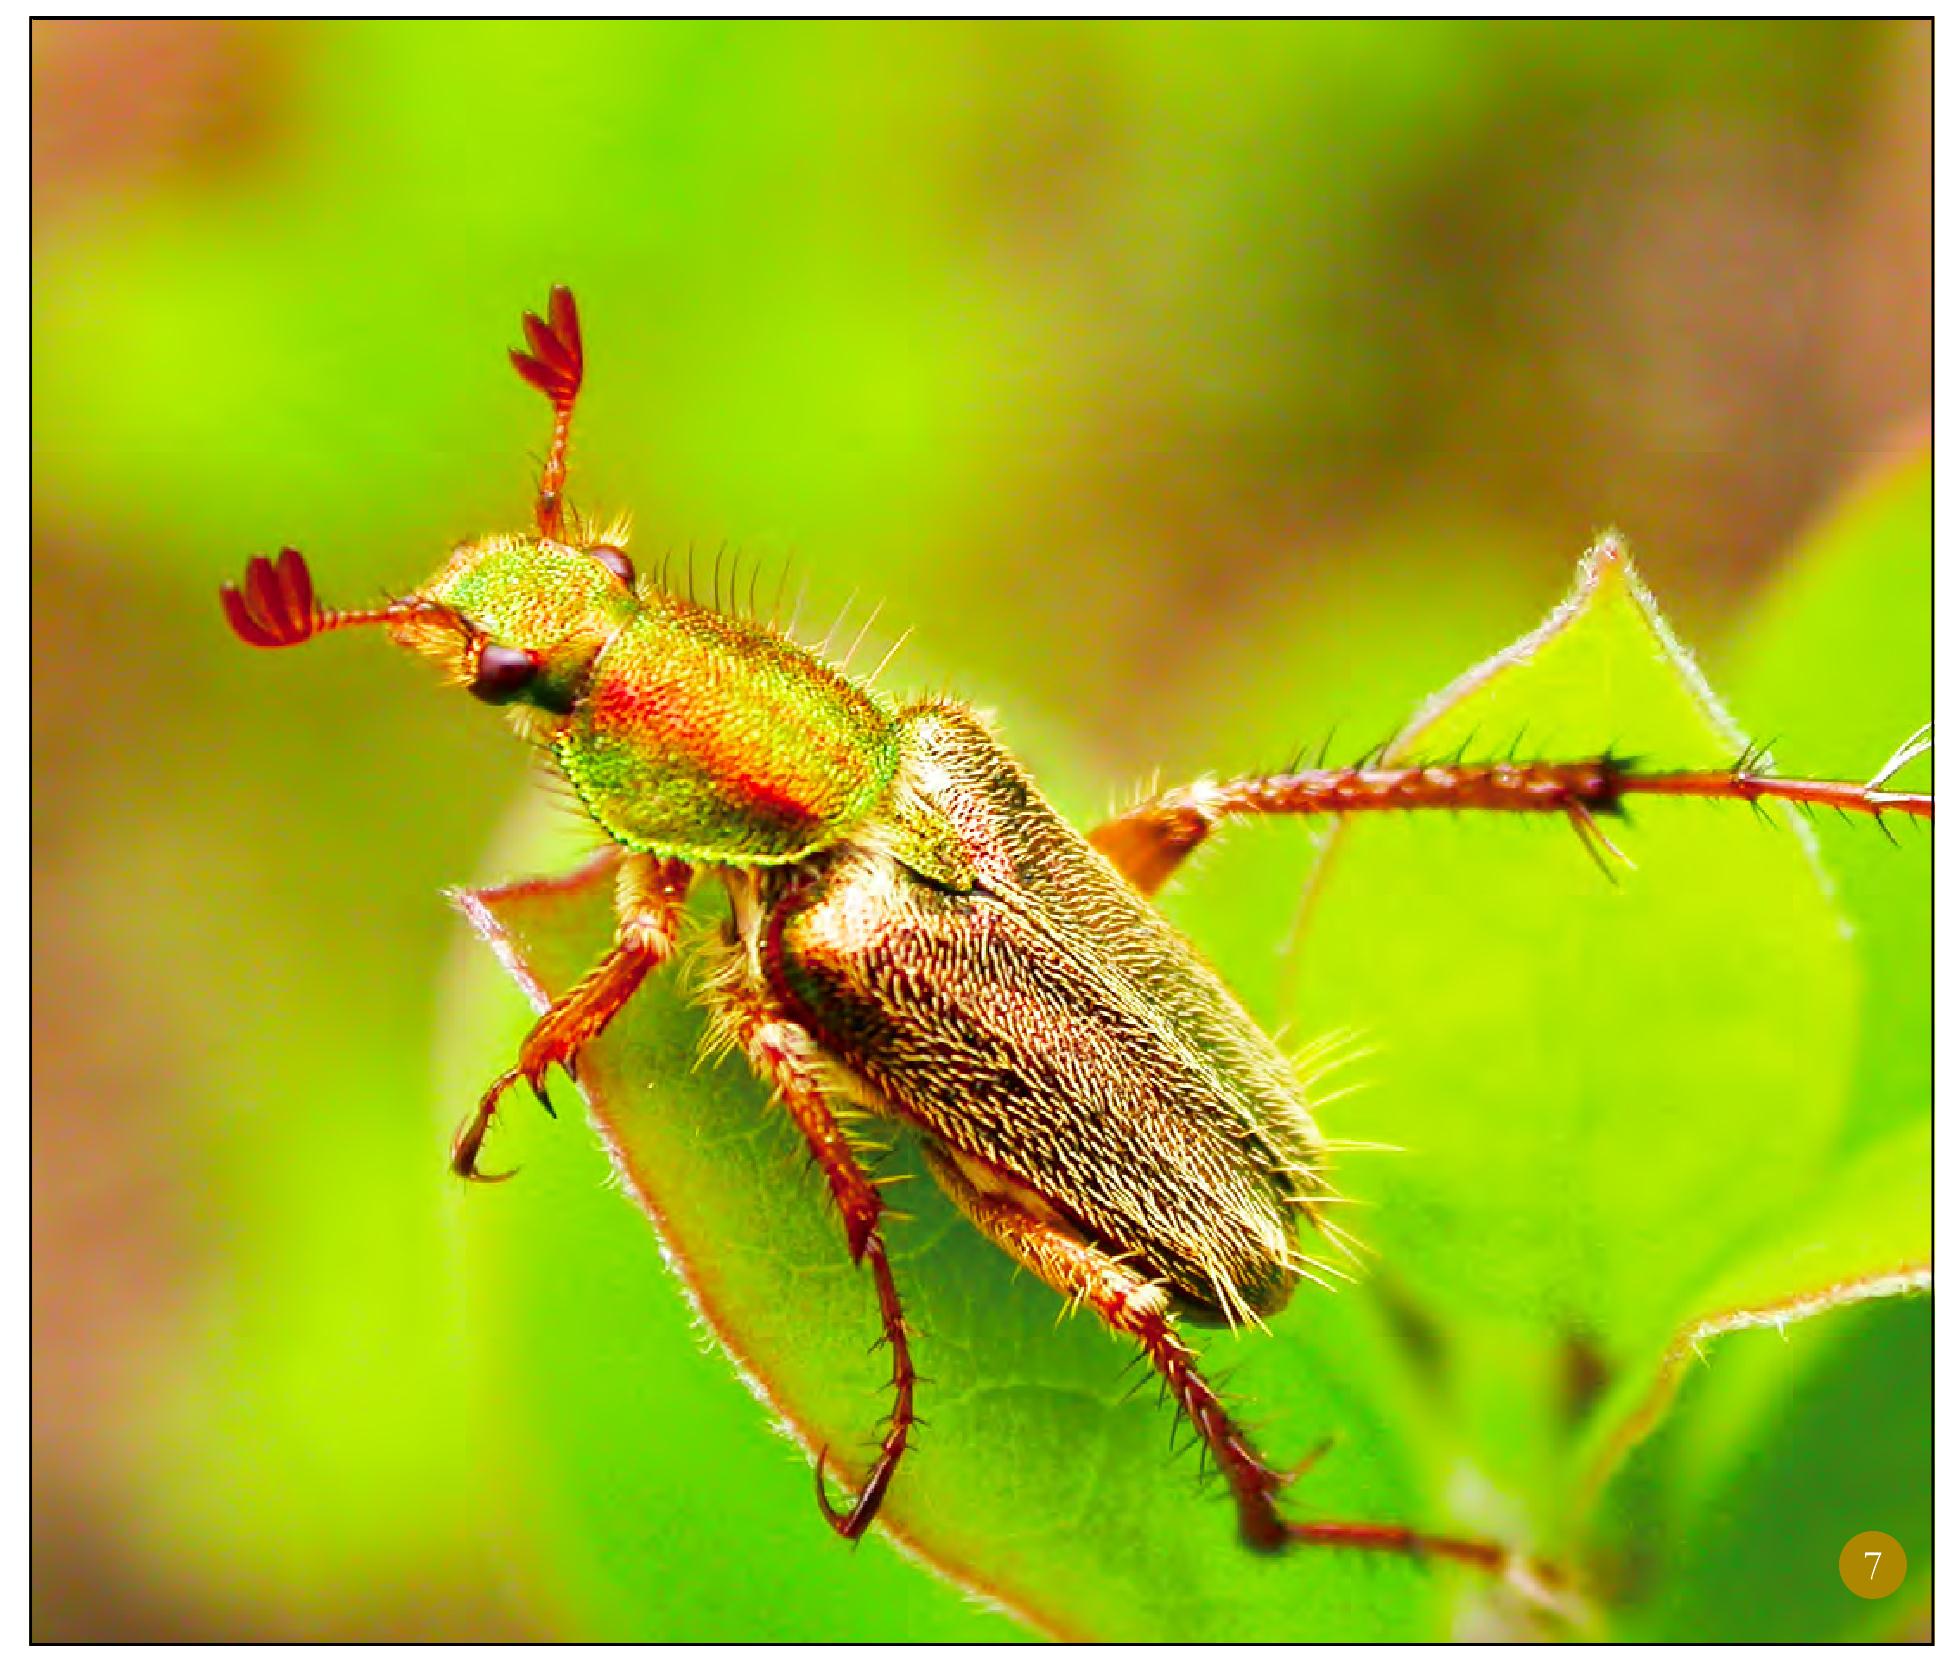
<point>1046,1023</point>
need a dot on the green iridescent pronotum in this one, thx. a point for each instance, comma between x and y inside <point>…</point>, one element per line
<point>912,929</point>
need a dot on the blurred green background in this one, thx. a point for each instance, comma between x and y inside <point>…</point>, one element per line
<point>1182,391</point>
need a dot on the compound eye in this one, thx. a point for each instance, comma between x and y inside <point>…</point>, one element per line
<point>503,674</point>
<point>616,560</point>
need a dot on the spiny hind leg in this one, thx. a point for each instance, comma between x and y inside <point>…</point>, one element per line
<point>649,894</point>
<point>1130,1303</point>
<point>780,1052</point>
<point>1149,842</point>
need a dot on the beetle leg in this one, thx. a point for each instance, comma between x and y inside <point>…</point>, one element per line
<point>649,894</point>
<point>1130,1303</point>
<point>780,1052</point>
<point>1149,842</point>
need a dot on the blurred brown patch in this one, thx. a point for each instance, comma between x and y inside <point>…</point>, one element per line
<point>1584,1376</point>
<point>120,104</point>
<point>1882,346</point>
<point>108,1256</point>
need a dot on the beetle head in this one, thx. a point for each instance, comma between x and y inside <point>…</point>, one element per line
<point>516,620</point>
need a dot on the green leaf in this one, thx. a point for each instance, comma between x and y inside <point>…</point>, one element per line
<point>1622,1098</point>
<point>1729,1519</point>
<point>1779,1448</point>
<point>1845,633</point>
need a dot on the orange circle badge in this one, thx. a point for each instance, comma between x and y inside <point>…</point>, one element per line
<point>1872,1565</point>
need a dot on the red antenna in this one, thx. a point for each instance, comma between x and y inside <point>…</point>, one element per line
<point>555,364</point>
<point>276,607</point>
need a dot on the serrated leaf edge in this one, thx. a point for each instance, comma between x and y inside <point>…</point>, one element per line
<point>1907,1279</point>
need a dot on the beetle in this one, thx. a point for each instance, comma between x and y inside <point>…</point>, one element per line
<point>912,929</point>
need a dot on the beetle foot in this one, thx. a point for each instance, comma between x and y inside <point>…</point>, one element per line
<point>852,1521</point>
<point>468,1141</point>
<point>545,1049</point>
